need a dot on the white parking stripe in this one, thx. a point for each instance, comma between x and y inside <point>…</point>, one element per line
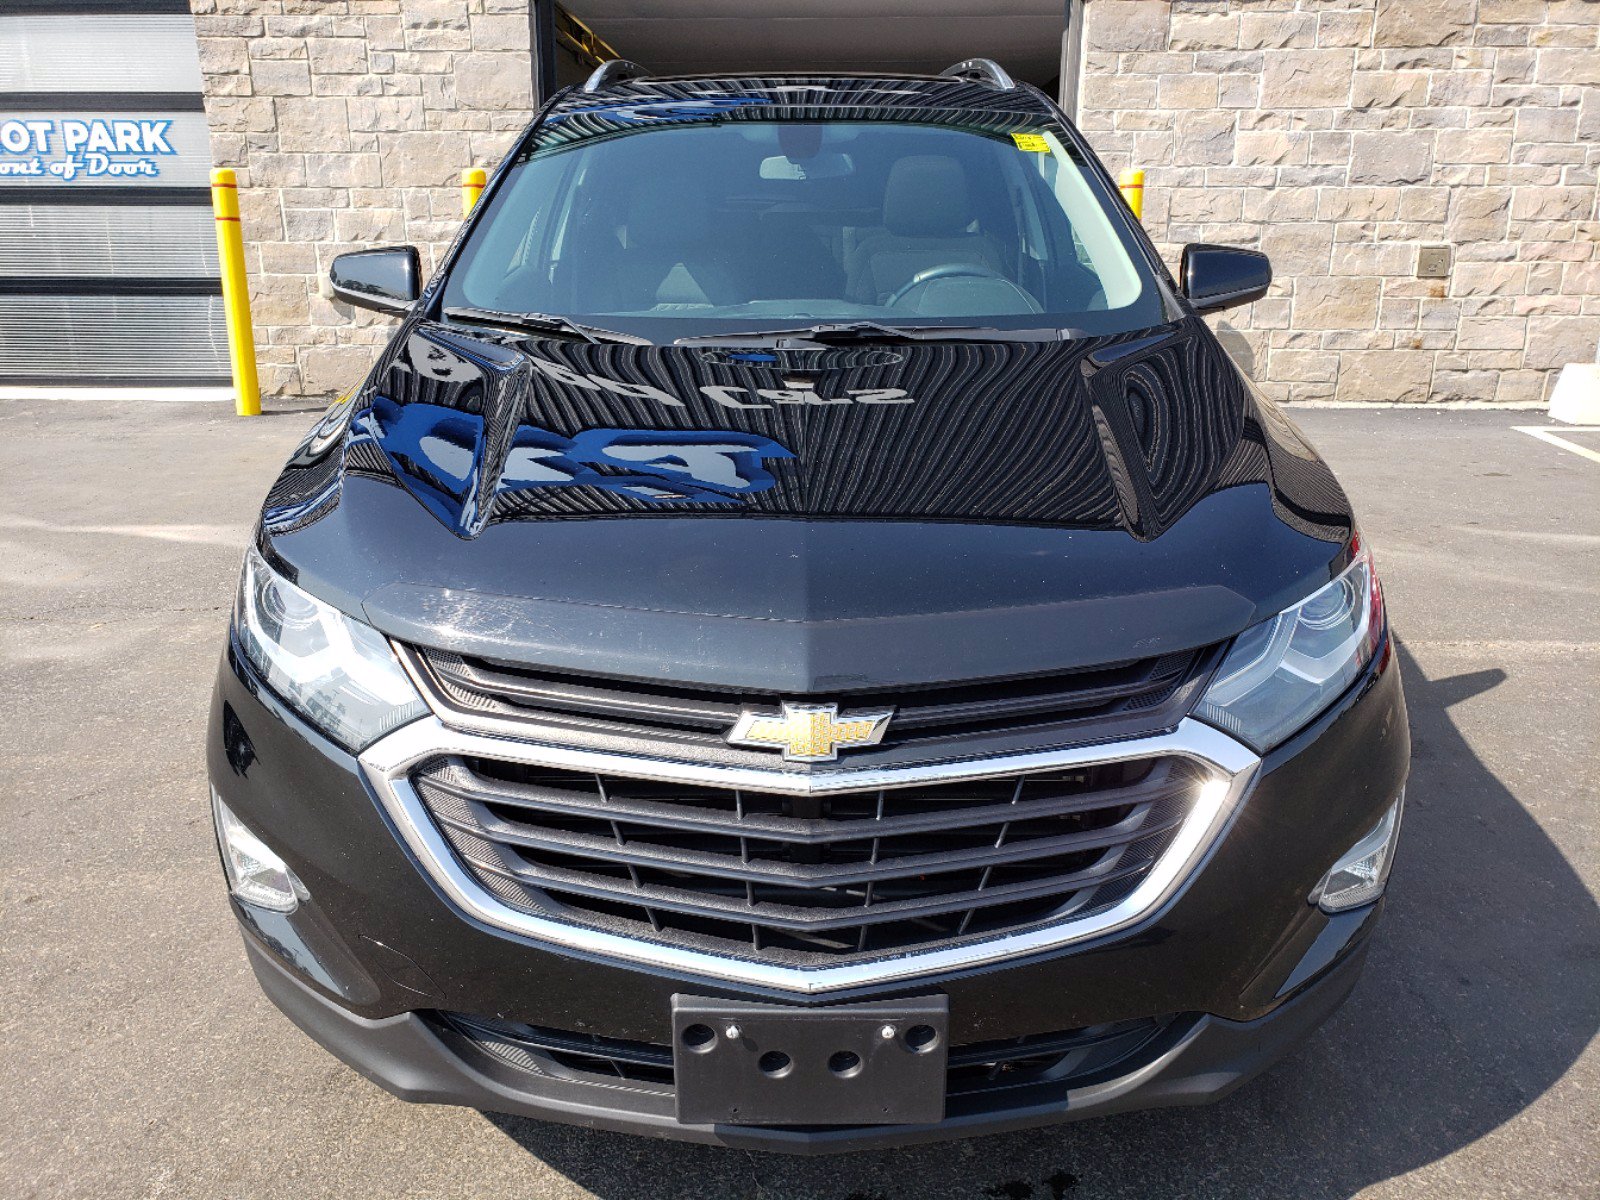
<point>211,535</point>
<point>1546,433</point>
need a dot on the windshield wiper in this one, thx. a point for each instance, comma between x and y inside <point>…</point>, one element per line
<point>542,323</point>
<point>846,332</point>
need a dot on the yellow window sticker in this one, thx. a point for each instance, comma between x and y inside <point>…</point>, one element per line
<point>1031,141</point>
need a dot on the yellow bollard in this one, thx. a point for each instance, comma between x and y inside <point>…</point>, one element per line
<point>473,181</point>
<point>235,292</point>
<point>1132,185</point>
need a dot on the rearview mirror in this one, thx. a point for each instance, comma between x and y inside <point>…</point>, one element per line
<point>1218,277</point>
<point>827,165</point>
<point>386,280</point>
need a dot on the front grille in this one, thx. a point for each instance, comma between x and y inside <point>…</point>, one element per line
<point>1068,1057</point>
<point>686,714</point>
<point>808,880</point>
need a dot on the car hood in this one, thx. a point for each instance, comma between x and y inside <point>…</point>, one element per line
<point>806,520</point>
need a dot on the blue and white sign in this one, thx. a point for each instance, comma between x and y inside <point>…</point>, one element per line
<point>103,149</point>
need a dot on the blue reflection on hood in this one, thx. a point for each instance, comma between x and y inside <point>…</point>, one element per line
<point>439,455</point>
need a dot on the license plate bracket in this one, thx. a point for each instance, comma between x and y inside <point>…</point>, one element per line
<point>744,1063</point>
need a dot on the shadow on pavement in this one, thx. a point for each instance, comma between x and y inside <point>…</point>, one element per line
<point>1482,988</point>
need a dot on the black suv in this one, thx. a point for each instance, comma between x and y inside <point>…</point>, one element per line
<point>805,640</point>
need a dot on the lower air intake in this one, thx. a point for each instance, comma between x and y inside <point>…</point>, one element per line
<point>1061,1059</point>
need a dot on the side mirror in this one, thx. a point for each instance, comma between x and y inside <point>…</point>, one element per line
<point>1218,277</point>
<point>387,280</point>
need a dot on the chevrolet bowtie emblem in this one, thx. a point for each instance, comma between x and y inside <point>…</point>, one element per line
<point>809,732</point>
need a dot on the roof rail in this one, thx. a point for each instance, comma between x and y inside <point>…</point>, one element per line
<point>981,70</point>
<point>618,70</point>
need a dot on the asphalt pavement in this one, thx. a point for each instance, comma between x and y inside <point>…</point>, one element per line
<point>138,1059</point>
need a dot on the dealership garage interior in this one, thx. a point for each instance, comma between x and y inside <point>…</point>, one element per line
<point>1466,1061</point>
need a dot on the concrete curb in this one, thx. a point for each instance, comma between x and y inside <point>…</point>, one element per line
<point>1421,405</point>
<point>165,395</point>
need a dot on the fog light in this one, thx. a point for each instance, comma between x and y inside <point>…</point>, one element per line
<point>255,874</point>
<point>1359,877</point>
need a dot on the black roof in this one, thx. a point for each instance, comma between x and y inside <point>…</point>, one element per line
<point>792,92</point>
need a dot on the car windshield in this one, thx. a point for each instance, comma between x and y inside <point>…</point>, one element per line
<point>717,227</point>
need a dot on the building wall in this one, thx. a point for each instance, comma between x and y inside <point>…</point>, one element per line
<point>1337,135</point>
<point>350,122</point>
<point>1341,135</point>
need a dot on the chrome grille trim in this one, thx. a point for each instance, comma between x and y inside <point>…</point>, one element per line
<point>473,697</point>
<point>388,762</point>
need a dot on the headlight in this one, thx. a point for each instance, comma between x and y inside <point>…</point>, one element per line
<point>1359,877</point>
<point>1283,672</point>
<point>340,674</point>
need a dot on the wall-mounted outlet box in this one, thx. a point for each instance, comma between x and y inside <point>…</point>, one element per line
<point>1433,262</point>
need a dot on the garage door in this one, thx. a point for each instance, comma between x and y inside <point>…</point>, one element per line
<point>108,264</point>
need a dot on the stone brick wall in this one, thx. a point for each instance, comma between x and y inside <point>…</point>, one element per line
<point>350,122</point>
<point>1339,136</point>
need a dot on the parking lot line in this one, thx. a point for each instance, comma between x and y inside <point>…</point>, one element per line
<point>1546,433</point>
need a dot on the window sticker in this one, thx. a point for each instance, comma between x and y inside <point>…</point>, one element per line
<point>1033,142</point>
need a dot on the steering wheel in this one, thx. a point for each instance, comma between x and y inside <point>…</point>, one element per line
<point>954,271</point>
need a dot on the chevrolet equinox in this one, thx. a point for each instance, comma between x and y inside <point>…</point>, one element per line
<point>805,640</point>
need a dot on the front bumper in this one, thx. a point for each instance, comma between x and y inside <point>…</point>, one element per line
<point>1236,958</point>
<point>406,1055</point>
